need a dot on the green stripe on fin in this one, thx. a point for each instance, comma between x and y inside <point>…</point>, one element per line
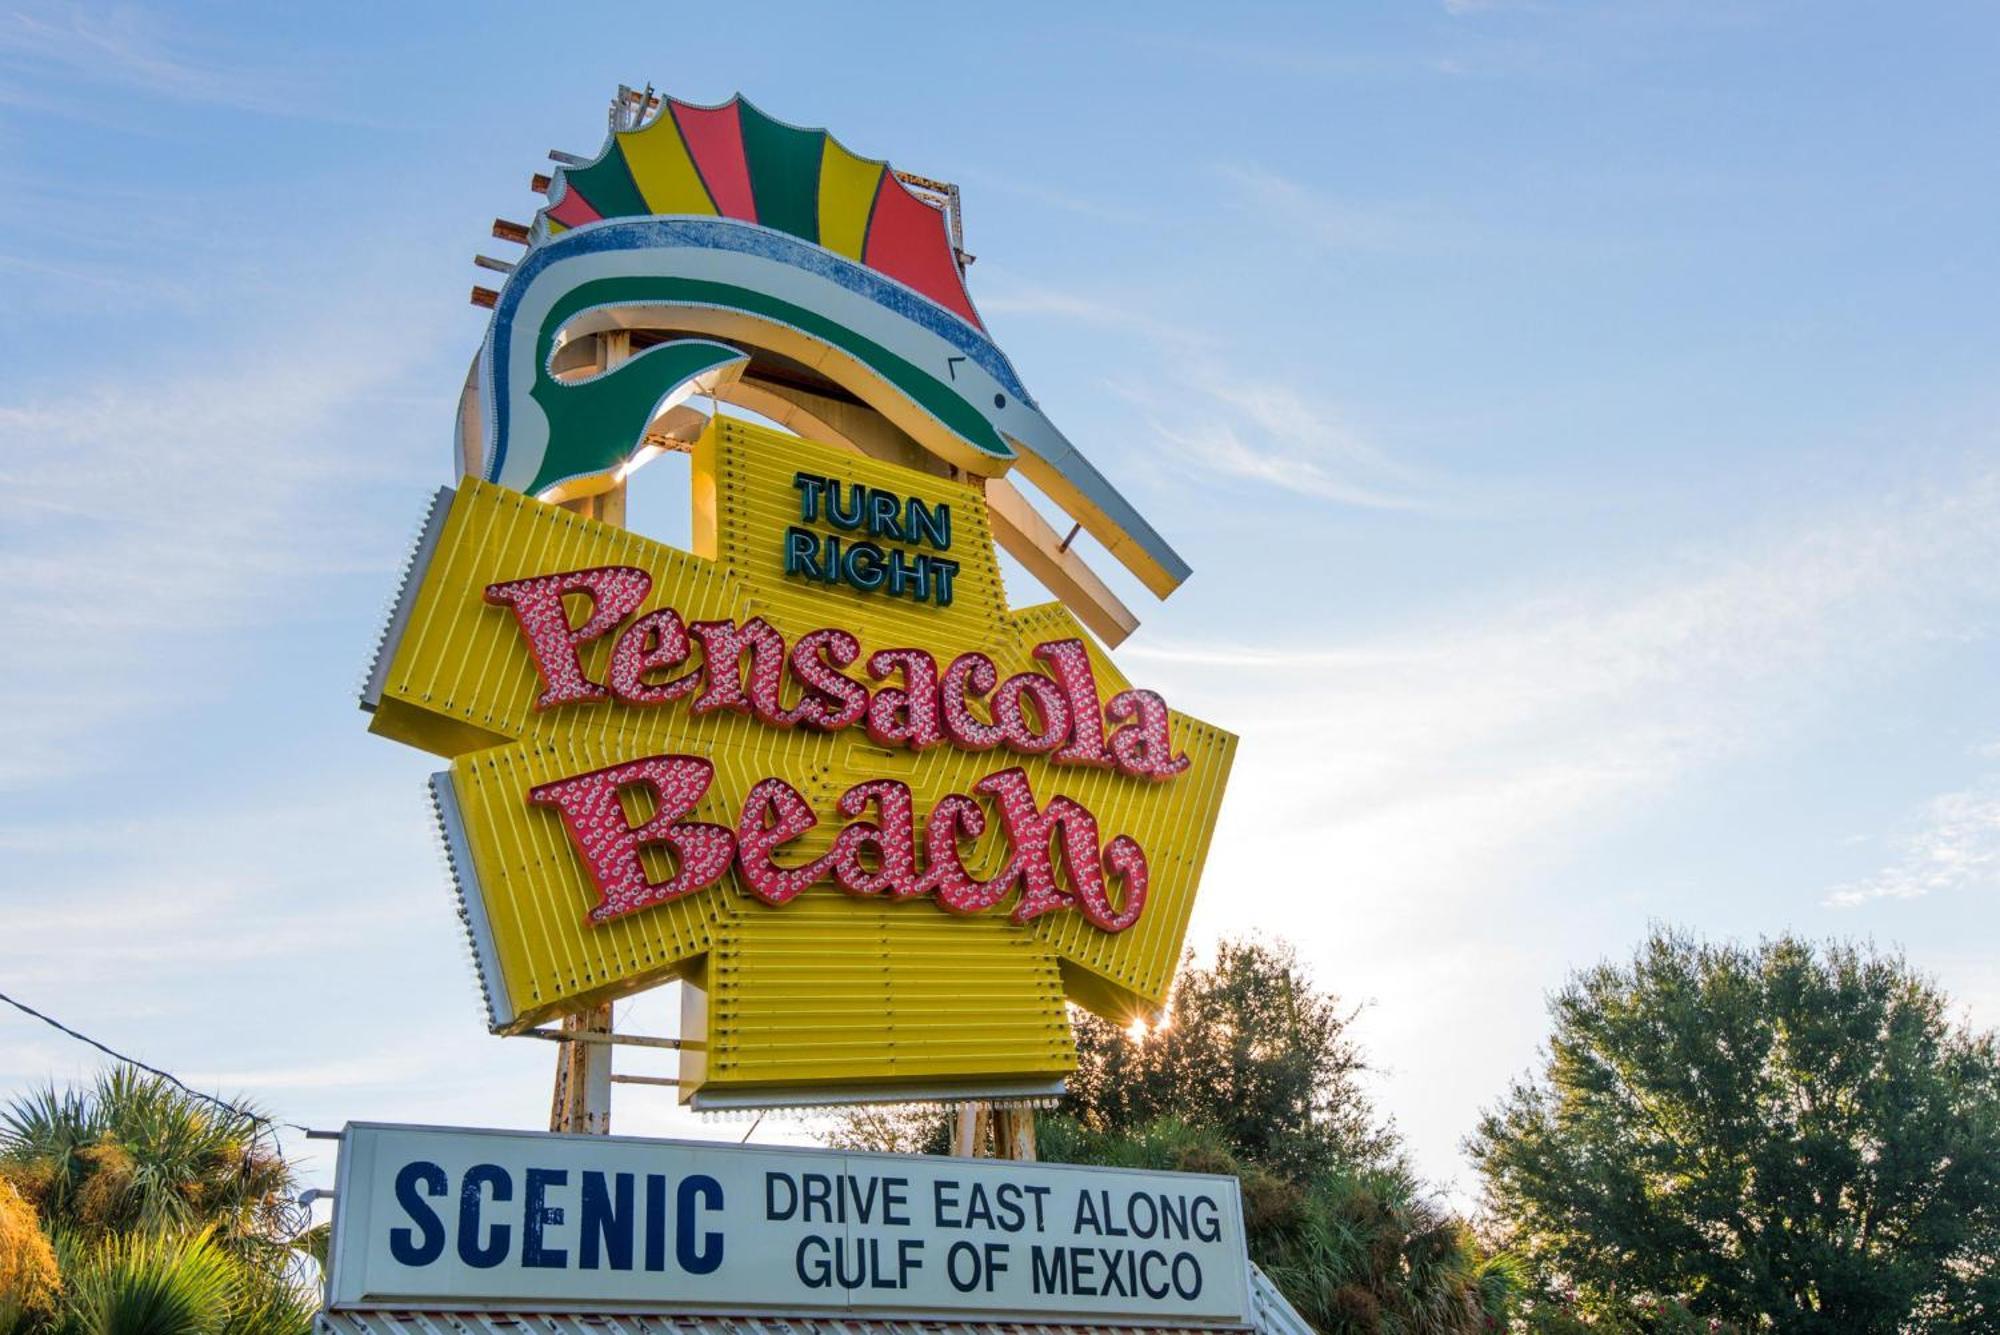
<point>607,183</point>
<point>784,172</point>
<point>597,424</point>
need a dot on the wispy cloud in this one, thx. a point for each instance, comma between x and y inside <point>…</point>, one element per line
<point>394,1067</point>
<point>1086,206</point>
<point>1093,309</point>
<point>297,946</point>
<point>162,900</point>
<point>1624,677</point>
<point>1219,421</point>
<point>1261,430</point>
<point>107,283</point>
<point>123,253</point>
<point>271,949</point>
<point>128,49</point>
<point>140,513</point>
<point>1401,801</point>
<point>1955,848</point>
<point>1326,222</point>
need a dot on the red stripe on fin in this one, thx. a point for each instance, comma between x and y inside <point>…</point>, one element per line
<point>573,210</point>
<point>714,137</point>
<point>907,241</point>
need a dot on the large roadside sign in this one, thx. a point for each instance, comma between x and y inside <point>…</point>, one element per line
<point>880,823</point>
<point>431,1218</point>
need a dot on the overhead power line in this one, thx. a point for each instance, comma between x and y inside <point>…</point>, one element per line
<point>167,1076</point>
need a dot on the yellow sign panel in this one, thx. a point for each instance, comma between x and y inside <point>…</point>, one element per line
<point>879,823</point>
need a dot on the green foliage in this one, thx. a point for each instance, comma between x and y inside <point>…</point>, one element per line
<point>149,1284</point>
<point>1778,1138</point>
<point>269,1300</point>
<point>1251,1049</point>
<point>1551,1315</point>
<point>1361,1250</point>
<point>1254,1075</point>
<point>136,1153</point>
<point>168,1213</point>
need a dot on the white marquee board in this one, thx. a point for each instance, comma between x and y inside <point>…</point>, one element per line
<point>429,1217</point>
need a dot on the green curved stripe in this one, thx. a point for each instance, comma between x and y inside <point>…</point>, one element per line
<point>607,183</point>
<point>921,388</point>
<point>784,166</point>
<point>596,425</point>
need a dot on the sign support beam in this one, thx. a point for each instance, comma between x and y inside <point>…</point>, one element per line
<point>581,1103</point>
<point>982,1131</point>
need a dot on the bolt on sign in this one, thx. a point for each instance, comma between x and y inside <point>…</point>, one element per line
<point>880,824</point>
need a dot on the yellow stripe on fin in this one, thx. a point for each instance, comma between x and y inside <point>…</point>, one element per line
<point>847,187</point>
<point>662,169</point>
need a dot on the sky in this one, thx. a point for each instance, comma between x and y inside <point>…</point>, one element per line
<point>1581,419</point>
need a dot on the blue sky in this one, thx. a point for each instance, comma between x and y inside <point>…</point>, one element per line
<point>1581,419</point>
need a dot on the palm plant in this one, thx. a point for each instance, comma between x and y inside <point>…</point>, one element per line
<point>169,1213</point>
<point>269,1301</point>
<point>137,1152</point>
<point>150,1284</point>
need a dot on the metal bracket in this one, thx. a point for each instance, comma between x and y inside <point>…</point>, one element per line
<point>635,1040</point>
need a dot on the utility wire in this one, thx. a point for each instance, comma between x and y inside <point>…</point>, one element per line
<point>169,1077</point>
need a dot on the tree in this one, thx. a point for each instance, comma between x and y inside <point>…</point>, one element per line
<point>1249,1048</point>
<point>1357,1249</point>
<point>1778,1138</point>
<point>135,1152</point>
<point>155,1283</point>
<point>166,1213</point>
<point>1253,1073</point>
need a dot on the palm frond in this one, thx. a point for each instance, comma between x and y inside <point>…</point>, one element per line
<point>142,1284</point>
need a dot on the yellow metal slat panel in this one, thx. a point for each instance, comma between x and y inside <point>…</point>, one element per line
<point>898,1000</point>
<point>831,991</point>
<point>551,957</point>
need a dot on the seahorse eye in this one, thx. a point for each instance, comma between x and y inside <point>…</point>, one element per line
<point>999,400</point>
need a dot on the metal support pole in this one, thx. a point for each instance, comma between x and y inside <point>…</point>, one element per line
<point>982,1131</point>
<point>970,1125</point>
<point>582,1100</point>
<point>1014,1133</point>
